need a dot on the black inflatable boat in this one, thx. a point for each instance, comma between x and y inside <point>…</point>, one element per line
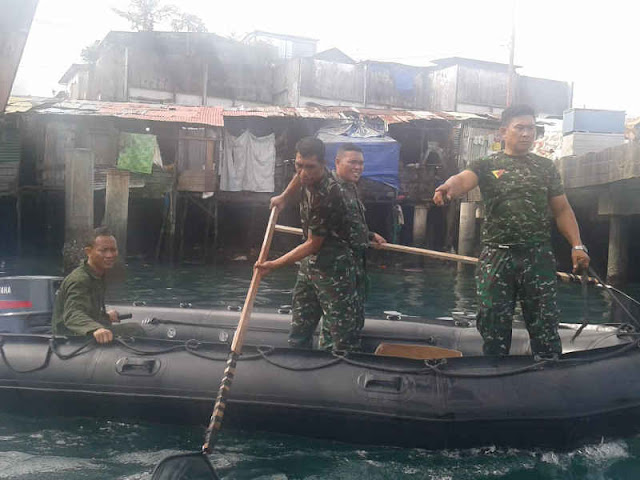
<point>592,391</point>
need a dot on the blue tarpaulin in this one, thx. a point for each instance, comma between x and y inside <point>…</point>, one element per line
<point>381,155</point>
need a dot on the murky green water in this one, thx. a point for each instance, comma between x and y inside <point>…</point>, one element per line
<point>63,448</point>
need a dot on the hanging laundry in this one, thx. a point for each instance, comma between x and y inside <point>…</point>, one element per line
<point>137,152</point>
<point>248,163</point>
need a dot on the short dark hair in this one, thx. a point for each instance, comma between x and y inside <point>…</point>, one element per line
<point>514,111</point>
<point>97,232</point>
<point>348,147</point>
<point>309,147</point>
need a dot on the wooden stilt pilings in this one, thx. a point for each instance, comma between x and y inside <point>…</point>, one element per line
<point>116,212</point>
<point>420,225</point>
<point>78,204</point>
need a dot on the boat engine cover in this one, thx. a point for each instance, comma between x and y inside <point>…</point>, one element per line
<point>26,303</point>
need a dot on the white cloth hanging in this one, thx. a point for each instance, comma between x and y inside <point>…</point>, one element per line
<point>248,163</point>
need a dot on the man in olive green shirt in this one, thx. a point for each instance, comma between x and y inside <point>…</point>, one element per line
<point>79,307</point>
<point>522,193</point>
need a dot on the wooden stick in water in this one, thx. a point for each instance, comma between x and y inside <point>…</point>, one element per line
<point>215,423</point>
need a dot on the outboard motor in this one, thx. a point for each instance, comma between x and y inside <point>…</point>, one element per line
<point>26,303</point>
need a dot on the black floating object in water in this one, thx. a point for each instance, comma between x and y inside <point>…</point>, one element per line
<point>192,466</point>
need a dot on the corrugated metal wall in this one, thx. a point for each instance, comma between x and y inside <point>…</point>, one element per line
<point>476,141</point>
<point>9,160</point>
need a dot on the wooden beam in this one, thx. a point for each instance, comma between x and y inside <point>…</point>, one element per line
<point>415,352</point>
<point>19,222</point>
<point>78,202</point>
<point>566,277</point>
<point>183,221</point>
<point>420,215</point>
<point>618,255</point>
<point>173,210</point>
<point>116,213</point>
<point>163,229</point>
<point>207,229</point>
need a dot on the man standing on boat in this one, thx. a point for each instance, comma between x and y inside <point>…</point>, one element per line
<point>349,163</point>
<point>79,308</point>
<point>521,192</point>
<point>326,283</point>
<point>349,168</point>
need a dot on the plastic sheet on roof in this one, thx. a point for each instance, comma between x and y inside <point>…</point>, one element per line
<point>381,153</point>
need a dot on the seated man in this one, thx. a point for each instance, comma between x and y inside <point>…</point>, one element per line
<point>79,307</point>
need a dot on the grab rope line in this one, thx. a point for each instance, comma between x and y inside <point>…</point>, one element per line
<point>635,321</point>
<point>44,364</point>
<point>53,346</point>
<point>173,348</point>
<point>330,363</point>
<point>192,345</point>
<point>265,352</point>
<point>535,366</point>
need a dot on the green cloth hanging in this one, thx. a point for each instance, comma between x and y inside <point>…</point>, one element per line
<point>137,151</point>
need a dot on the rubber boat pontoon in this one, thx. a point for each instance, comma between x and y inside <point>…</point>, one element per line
<point>592,391</point>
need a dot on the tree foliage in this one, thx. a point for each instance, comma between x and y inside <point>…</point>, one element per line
<point>187,22</point>
<point>145,15</point>
<point>90,53</point>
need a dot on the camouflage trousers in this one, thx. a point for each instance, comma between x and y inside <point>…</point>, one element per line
<point>505,275</point>
<point>362,284</point>
<point>328,292</point>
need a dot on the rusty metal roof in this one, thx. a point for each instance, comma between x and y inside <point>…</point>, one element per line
<point>199,115</point>
<point>390,116</point>
<point>214,116</point>
<point>23,104</point>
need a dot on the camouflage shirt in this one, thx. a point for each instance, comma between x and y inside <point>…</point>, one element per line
<point>359,234</point>
<point>323,212</point>
<point>516,193</point>
<point>79,306</point>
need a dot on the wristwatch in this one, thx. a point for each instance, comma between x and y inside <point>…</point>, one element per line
<point>581,247</point>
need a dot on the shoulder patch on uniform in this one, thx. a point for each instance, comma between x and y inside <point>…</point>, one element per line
<point>498,173</point>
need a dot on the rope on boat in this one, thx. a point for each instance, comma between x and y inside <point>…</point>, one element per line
<point>131,348</point>
<point>53,346</point>
<point>191,346</point>
<point>635,321</point>
<point>264,352</point>
<point>435,368</point>
<point>44,364</point>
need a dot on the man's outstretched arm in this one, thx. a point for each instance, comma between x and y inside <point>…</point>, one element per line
<point>455,186</point>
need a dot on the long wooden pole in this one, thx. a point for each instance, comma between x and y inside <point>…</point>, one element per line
<point>215,423</point>
<point>238,338</point>
<point>567,277</point>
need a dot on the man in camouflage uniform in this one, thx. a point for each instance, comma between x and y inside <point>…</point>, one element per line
<point>349,167</point>
<point>79,308</point>
<point>326,282</point>
<point>521,192</point>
